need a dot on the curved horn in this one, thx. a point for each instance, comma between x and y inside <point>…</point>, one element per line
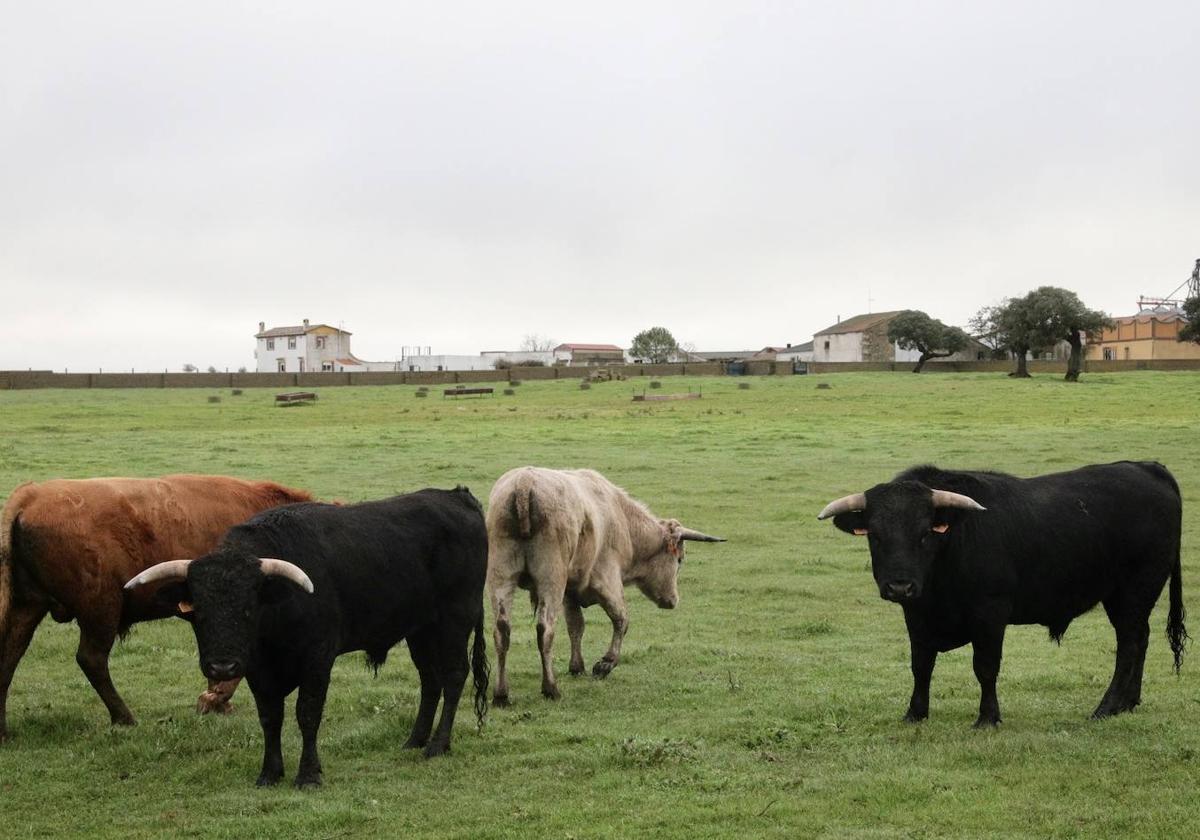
<point>689,534</point>
<point>846,504</point>
<point>169,570</point>
<point>282,568</point>
<point>944,498</point>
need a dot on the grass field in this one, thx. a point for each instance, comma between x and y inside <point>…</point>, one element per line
<point>768,704</point>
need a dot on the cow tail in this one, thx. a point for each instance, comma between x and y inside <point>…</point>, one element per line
<point>523,511</point>
<point>8,524</point>
<point>479,672</point>
<point>1177,634</point>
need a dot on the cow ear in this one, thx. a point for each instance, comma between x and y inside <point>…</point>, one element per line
<point>275,589</point>
<point>173,594</point>
<point>854,522</point>
<point>940,527</point>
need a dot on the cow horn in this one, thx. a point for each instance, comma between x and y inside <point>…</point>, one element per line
<point>282,568</point>
<point>689,534</point>
<point>944,498</point>
<point>846,504</point>
<point>169,570</point>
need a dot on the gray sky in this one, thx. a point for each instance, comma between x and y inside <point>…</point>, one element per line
<point>459,174</point>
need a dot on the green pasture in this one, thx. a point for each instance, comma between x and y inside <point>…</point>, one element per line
<point>768,704</point>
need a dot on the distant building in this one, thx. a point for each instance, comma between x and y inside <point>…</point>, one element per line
<point>1147,335</point>
<point>308,348</point>
<point>862,338</point>
<point>588,354</point>
<point>787,353</point>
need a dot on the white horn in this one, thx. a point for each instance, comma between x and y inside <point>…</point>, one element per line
<point>846,504</point>
<point>282,568</point>
<point>169,570</point>
<point>689,534</point>
<point>944,498</point>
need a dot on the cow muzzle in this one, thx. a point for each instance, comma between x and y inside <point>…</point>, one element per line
<point>667,603</point>
<point>899,591</point>
<point>223,669</point>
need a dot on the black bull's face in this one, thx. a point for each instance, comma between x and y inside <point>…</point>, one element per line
<point>223,598</point>
<point>905,532</point>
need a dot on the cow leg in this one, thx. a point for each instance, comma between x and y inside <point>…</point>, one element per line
<point>95,643</point>
<point>547,617</point>
<point>502,595</point>
<point>22,620</point>
<point>1133,637</point>
<point>269,702</point>
<point>987,647</point>
<point>453,667</point>
<point>424,655</point>
<point>923,658</point>
<point>611,597</point>
<point>310,706</point>
<point>574,615</point>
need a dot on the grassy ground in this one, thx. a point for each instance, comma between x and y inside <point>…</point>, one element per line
<point>767,704</point>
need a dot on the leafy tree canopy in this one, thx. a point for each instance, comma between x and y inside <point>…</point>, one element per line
<point>655,345</point>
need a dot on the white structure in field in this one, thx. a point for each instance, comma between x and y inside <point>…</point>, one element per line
<point>309,348</point>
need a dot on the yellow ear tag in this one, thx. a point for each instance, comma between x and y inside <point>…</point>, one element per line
<point>860,532</point>
<point>185,606</point>
<point>940,529</point>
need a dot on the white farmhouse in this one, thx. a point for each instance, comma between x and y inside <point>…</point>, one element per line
<point>309,347</point>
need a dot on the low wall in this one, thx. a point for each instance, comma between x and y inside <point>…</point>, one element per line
<point>22,379</point>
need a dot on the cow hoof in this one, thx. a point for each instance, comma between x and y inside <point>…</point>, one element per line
<point>915,717</point>
<point>551,693</point>
<point>986,723</point>
<point>578,669</point>
<point>413,743</point>
<point>308,782</point>
<point>125,720</point>
<point>602,669</point>
<point>501,701</point>
<point>268,780</point>
<point>436,749</point>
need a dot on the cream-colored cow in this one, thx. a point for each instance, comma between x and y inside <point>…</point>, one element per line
<point>573,538</point>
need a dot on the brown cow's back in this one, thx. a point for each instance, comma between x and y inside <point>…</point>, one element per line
<point>90,536</point>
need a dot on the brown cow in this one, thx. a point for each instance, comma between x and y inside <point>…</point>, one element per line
<point>68,546</point>
<point>573,538</point>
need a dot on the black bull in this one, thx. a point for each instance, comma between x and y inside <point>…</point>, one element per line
<point>288,591</point>
<point>992,550</point>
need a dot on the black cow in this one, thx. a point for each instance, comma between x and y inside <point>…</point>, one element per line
<point>968,553</point>
<point>288,591</point>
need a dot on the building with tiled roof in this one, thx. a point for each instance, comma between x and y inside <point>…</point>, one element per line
<point>308,348</point>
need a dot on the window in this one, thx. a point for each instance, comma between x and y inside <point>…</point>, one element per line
<point>301,365</point>
<point>327,367</point>
<point>291,342</point>
<point>826,346</point>
<point>270,344</point>
<point>281,365</point>
<point>1109,354</point>
<point>320,342</point>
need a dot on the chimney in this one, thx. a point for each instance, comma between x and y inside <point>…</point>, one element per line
<point>305,323</point>
<point>839,319</point>
<point>262,326</point>
<point>789,347</point>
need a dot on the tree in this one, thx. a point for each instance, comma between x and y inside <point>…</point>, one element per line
<point>1008,325</point>
<point>656,345</point>
<point>1191,311</point>
<point>914,330</point>
<point>190,368</point>
<point>1060,314</point>
<point>534,343</point>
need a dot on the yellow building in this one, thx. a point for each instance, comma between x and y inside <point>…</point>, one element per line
<point>1147,335</point>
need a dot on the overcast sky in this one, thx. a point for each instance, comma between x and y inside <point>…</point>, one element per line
<point>460,175</point>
